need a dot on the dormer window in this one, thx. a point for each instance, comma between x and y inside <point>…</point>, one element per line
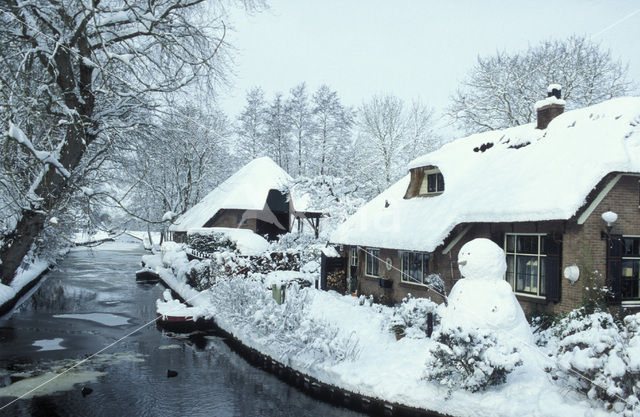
<point>432,182</point>
<point>425,182</point>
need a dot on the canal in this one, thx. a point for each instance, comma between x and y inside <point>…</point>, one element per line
<point>91,301</point>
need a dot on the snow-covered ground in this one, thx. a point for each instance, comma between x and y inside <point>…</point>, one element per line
<point>23,278</point>
<point>349,342</point>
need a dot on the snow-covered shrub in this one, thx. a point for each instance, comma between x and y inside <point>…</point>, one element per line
<point>276,261</point>
<point>410,317</point>
<point>470,359</point>
<point>199,274</point>
<point>287,328</point>
<point>210,242</point>
<point>436,283</point>
<point>595,295</point>
<point>598,357</point>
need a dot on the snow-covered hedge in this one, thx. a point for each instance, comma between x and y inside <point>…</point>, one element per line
<point>210,242</point>
<point>600,358</point>
<point>470,359</point>
<point>223,264</point>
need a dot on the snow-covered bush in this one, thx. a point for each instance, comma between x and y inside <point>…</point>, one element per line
<point>470,359</point>
<point>210,242</point>
<point>436,283</point>
<point>305,245</point>
<point>410,317</point>
<point>598,357</point>
<point>287,328</point>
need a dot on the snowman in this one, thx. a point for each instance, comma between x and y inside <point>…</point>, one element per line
<point>483,299</point>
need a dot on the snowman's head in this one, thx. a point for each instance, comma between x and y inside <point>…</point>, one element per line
<point>482,259</point>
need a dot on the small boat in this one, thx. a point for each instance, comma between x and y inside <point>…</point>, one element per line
<point>147,275</point>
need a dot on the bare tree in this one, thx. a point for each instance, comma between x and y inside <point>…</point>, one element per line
<point>186,161</point>
<point>390,135</point>
<point>500,90</point>
<point>278,131</point>
<point>74,78</point>
<point>251,125</point>
<point>333,123</point>
<point>301,125</point>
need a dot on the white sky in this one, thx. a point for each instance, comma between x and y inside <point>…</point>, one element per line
<point>409,48</point>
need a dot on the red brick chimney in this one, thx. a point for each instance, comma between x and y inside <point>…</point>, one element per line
<point>550,107</point>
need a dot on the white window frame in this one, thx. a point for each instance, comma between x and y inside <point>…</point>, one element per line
<point>370,253</point>
<point>353,256</point>
<point>424,186</point>
<point>404,278</point>
<point>512,279</point>
<point>623,258</point>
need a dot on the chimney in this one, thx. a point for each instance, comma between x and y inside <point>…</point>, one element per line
<point>550,107</point>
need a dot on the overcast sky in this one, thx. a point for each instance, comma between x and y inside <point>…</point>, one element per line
<point>408,48</point>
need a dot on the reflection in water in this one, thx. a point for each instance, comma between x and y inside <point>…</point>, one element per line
<point>131,377</point>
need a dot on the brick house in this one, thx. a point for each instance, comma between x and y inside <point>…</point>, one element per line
<point>256,197</point>
<point>538,191</point>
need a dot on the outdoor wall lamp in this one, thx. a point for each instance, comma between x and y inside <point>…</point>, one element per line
<point>610,218</point>
<point>572,273</point>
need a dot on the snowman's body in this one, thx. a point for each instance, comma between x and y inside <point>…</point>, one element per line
<point>483,299</point>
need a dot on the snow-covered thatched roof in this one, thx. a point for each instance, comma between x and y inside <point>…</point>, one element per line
<point>247,189</point>
<point>523,174</point>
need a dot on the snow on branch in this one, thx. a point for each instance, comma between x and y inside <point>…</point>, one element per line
<point>47,158</point>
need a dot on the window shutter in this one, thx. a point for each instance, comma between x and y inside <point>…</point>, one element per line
<point>553,284</point>
<point>614,269</point>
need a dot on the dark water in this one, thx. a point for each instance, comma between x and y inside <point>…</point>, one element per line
<point>130,378</point>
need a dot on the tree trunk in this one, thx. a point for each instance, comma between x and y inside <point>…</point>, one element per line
<point>53,184</point>
<point>18,243</point>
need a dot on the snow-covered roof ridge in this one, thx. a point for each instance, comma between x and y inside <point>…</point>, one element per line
<point>516,174</point>
<point>247,189</point>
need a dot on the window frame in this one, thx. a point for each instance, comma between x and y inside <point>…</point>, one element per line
<point>404,277</point>
<point>353,256</point>
<point>375,258</point>
<point>512,280</point>
<point>623,258</point>
<point>439,181</point>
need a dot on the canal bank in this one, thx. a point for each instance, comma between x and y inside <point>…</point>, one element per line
<point>308,384</point>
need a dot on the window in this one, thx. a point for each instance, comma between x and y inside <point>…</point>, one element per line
<point>526,263</point>
<point>373,262</point>
<point>353,256</point>
<point>630,268</point>
<point>432,183</point>
<point>415,267</point>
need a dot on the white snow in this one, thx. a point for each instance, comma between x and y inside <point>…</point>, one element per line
<point>6,293</point>
<point>347,342</point>
<point>49,344</point>
<point>247,189</point>
<point>106,319</point>
<point>330,252</point>
<point>552,87</point>
<point>549,179</point>
<point>22,278</point>
<point>247,242</point>
<point>548,101</point>
<point>483,299</point>
<point>280,278</point>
